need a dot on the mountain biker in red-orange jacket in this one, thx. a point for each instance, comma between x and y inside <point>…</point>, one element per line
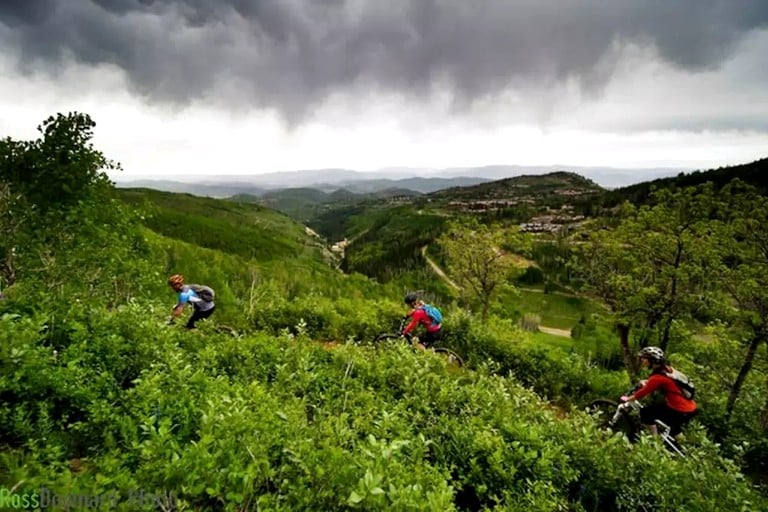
<point>677,410</point>
<point>433,332</point>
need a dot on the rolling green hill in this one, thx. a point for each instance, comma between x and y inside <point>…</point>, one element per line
<point>248,230</point>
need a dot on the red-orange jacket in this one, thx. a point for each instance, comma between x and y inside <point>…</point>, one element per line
<point>672,395</point>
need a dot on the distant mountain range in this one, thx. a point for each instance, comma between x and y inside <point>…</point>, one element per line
<point>419,180</point>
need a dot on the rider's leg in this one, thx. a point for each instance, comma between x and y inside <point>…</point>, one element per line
<point>680,420</point>
<point>199,315</point>
<point>430,338</point>
<point>648,416</point>
<point>671,421</point>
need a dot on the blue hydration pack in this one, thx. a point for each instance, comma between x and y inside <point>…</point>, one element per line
<point>434,313</point>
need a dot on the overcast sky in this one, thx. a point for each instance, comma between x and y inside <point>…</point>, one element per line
<point>209,87</point>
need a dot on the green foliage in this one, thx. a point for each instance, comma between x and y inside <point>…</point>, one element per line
<point>300,427</point>
<point>596,341</point>
<point>547,186</point>
<point>531,276</point>
<point>341,222</point>
<point>558,310</point>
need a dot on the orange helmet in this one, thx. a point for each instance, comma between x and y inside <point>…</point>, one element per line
<point>176,279</point>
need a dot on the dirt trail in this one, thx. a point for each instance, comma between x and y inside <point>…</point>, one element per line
<point>438,270</point>
<point>555,332</point>
<point>539,290</point>
<point>549,330</point>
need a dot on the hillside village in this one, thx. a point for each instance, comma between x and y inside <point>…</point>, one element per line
<point>553,221</point>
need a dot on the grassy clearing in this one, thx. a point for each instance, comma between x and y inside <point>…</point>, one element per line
<point>558,311</point>
<point>550,341</point>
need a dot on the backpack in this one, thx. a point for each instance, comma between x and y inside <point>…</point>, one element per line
<point>433,313</point>
<point>206,293</point>
<point>687,389</point>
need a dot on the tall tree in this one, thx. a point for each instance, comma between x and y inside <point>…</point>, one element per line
<point>743,250</point>
<point>653,268</point>
<point>478,259</point>
<point>59,168</point>
<point>45,186</point>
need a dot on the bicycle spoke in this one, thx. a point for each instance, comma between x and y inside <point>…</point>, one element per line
<point>388,338</point>
<point>452,357</point>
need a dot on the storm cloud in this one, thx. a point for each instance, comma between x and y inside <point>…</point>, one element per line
<point>291,55</point>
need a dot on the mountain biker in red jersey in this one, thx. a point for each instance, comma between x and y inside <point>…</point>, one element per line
<point>677,409</point>
<point>433,332</point>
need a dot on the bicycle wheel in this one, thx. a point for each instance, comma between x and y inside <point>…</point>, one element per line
<point>452,357</point>
<point>385,338</point>
<point>603,410</point>
<point>225,329</point>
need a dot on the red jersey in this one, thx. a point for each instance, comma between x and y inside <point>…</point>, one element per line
<point>672,395</point>
<point>419,316</point>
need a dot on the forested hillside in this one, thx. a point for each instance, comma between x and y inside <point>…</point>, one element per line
<point>754,173</point>
<point>290,407</point>
<point>307,204</point>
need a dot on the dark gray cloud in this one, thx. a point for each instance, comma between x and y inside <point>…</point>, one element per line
<point>292,54</point>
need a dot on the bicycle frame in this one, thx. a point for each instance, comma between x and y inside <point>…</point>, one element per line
<point>630,410</point>
<point>452,356</point>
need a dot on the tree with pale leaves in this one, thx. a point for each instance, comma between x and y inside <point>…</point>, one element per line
<point>480,259</point>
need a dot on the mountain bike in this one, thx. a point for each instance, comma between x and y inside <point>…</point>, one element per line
<point>624,418</point>
<point>397,336</point>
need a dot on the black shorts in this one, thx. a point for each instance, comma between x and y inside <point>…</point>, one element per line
<point>675,419</point>
<point>199,315</point>
<point>430,338</point>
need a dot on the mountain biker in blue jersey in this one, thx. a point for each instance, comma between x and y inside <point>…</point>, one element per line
<point>186,295</point>
<point>433,331</point>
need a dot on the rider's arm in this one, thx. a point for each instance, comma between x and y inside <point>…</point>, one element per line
<point>415,318</point>
<point>179,307</point>
<point>651,385</point>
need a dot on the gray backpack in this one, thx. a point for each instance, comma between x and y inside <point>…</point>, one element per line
<point>687,389</point>
<point>206,293</point>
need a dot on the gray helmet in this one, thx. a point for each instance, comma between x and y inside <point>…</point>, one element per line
<point>653,354</point>
<point>411,298</point>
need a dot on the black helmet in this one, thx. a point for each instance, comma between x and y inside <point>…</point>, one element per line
<point>411,298</point>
